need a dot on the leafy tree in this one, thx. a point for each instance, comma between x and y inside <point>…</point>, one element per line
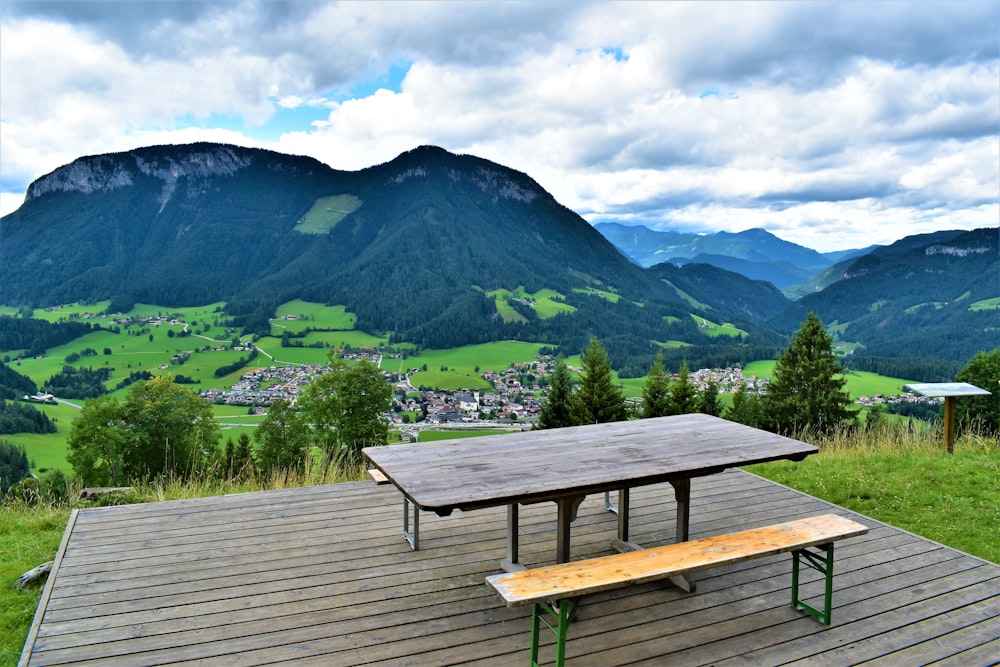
<point>983,371</point>
<point>683,394</point>
<point>656,391</point>
<point>708,402</point>
<point>159,429</point>
<point>746,408</point>
<point>282,439</point>
<point>597,400</point>
<point>345,408</point>
<point>807,390</point>
<point>556,409</point>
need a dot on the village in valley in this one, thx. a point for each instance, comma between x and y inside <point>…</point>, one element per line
<point>514,399</point>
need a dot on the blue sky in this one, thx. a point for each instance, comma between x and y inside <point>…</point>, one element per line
<point>833,125</point>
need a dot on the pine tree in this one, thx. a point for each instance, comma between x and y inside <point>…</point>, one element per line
<point>556,409</point>
<point>597,400</point>
<point>807,390</point>
<point>656,391</point>
<point>243,457</point>
<point>746,408</point>
<point>708,402</point>
<point>683,395</point>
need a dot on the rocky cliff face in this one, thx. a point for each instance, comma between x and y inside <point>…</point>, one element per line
<point>102,173</point>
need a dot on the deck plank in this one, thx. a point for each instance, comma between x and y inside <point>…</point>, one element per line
<point>323,576</point>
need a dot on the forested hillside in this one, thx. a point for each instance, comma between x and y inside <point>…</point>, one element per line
<point>916,298</point>
<point>439,250</point>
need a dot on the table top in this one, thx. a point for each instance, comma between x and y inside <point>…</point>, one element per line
<point>946,389</point>
<point>531,466</point>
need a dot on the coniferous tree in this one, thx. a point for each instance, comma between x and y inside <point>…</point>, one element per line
<point>683,394</point>
<point>746,408</point>
<point>656,391</point>
<point>708,402</point>
<point>807,390</point>
<point>556,409</point>
<point>243,457</point>
<point>597,400</point>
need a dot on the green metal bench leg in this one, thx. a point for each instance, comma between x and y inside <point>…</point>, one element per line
<point>562,614</point>
<point>822,562</point>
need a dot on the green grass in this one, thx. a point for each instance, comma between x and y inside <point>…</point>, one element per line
<point>69,311</point>
<point>461,363</point>
<point>904,478</point>
<point>985,304</point>
<point>313,316</point>
<point>710,328</point>
<point>326,212</point>
<point>673,344</point>
<point>859,383</point>
<point>28,538</point>
<point>547,303</point>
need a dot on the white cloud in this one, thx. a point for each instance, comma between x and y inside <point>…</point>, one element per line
<point>818,121</point>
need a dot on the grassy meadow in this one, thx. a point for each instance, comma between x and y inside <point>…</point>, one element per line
<point>859,383</point>
<point>151,347</point>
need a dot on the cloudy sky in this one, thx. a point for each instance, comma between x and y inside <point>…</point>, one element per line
<point>833,125</point>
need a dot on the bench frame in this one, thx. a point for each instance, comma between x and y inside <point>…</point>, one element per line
<point>557,610</point>
<point>411,536</point>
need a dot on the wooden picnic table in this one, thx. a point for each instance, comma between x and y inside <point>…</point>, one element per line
<point>567,464</point>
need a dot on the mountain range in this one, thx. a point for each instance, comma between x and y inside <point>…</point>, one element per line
<point>438,250</point>
<point>754,253</point>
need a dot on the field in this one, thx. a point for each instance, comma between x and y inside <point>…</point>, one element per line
<point>859,383</point>
<point>149,346</point>
<point>712,329</point>
<point>546,303</point>
<point>986,304</point>
<point>326,212</point>
<point>457,368</point>
<point>314,316</point>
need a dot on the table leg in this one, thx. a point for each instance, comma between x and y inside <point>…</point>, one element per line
<point>510,564</point>
<point>566,515</point>
<point>682,496</point>
<point>622,542</point>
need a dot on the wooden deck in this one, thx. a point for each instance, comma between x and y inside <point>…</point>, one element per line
<point>323,576</point>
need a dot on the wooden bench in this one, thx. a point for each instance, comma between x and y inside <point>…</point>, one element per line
<point>411,536</point>
<point>555,591</point>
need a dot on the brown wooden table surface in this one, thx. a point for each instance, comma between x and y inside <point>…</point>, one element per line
<point>565,465</point>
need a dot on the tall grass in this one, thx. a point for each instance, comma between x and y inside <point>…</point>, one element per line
<point>900,474</point>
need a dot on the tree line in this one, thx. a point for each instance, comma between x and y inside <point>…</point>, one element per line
<point>161,429</point>
<point>806,392</point>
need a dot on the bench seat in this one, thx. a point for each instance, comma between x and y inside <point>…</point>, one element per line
<point>555,590</point>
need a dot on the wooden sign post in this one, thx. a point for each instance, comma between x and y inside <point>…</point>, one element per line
<point>949,391</point>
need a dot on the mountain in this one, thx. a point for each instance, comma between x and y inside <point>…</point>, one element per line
<point>431,247</point>
<point>919,297</point>
<point>439,250</point>
<point>754,253</point>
